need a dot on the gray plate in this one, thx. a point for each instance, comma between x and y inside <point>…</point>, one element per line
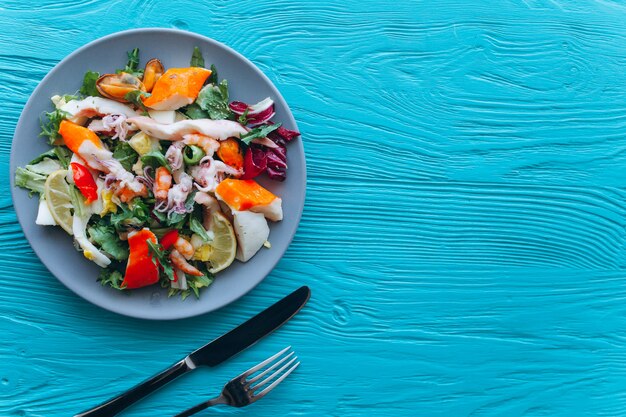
<point>54,247</point>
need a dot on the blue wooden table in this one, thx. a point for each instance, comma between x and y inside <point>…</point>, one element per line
<point>464,228</point>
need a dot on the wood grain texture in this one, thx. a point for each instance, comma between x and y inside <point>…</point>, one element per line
<point>464,228</point>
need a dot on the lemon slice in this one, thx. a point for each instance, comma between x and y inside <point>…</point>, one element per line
<point>220,252</point>
<point>57,196</point>
<point>224,244</point>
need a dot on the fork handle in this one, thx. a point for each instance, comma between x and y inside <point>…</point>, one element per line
<point>142,390</point>
<point>202,406</point>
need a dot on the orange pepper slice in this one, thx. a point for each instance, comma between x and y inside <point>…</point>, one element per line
<point>243,194</point>
<point>75,135</point>
<point>230,153</point>
<point>177,87</point>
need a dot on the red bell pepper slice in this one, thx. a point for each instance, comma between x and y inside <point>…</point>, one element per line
<point>141,270</point>
<point>168,240</point>
<point>85,182</point>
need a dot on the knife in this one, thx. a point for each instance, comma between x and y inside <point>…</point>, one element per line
<point>211,354</point>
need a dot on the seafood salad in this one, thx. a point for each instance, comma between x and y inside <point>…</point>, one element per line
<point>153,171</point>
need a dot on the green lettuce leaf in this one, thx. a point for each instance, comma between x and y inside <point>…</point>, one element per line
<point>111,278</point>
<point>30,180</point>
<point>193,111</point>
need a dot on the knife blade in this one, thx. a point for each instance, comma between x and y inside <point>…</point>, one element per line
<point>211,354</point>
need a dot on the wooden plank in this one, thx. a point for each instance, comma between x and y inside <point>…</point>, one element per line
<point>464,227</point>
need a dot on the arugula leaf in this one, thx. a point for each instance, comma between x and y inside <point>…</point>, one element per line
<point>214,100</point>
<point>213,77</point>
<point>50,125</point>
<point>126,155</point>
<point>193,111</point>
<point>160,255</point>
<point>197,60</point>
<point>243,119</point>
<point>30,180</point>
<point>155,159</point>
<point>196,283</point>
<point>106,236</point>
<point>258,132</point>
<point>89,84</point>
<point>197,228</point>
<point>132,66</point>
<point>135,98</point>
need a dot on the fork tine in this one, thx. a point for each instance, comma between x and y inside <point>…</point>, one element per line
<point>259,376</point>
<point>274,375</point>
<point>273,384</point>
<point>262,364</point>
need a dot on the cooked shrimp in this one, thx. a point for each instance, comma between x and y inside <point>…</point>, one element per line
<point>208,144</point>
<point>179,262</point>
<point>126,194</point>
<point>184,248</point>
<point>162,183</point>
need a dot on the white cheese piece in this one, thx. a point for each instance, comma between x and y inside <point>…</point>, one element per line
<point>44,217</point>
<point>163,116</point>
<point>252,231</point>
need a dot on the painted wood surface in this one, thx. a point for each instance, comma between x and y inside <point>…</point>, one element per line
<point>464,228</point>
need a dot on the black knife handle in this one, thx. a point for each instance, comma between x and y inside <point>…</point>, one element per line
<point>142,390</point>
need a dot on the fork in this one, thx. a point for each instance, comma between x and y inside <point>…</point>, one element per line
<point>239,392</point>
